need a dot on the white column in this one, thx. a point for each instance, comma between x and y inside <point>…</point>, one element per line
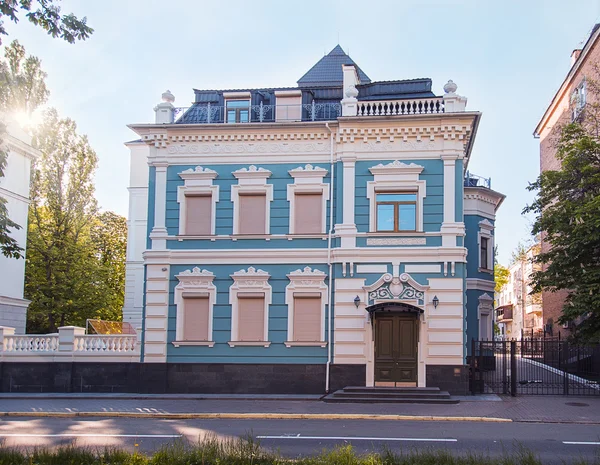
<point>159,230</point>
<point>347,230</point>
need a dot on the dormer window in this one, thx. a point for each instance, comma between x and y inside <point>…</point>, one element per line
<point>238,111</point>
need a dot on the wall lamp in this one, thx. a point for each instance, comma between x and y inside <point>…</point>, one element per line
<point>357,301</point>
<point>435,301</point>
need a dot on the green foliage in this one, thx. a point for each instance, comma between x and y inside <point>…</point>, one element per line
<point>47,16</point>
<point>22,89</point>
<point>501,276</point>
<point>75,256</point>
<point>245,451</point>
<point>567,209</point>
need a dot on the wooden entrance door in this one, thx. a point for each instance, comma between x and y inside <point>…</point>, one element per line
<point>396,348</point>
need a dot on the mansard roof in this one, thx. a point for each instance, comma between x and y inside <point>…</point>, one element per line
<point>328,70</point>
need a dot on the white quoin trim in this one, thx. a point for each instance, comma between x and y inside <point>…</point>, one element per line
<point>305,281</point>
<point>308,179</point>
<point>394,177</point>
<point>197,180</point>
<point>251,180</point>
<point>252,280</point>
<point>199,283</point>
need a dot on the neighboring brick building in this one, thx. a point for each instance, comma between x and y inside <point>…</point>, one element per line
<point>568,104</point>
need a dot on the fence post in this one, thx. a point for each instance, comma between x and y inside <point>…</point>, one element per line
<point>565,371</point>
<point>504,371</point>
<point>473,383</point>
<point>513,368</point>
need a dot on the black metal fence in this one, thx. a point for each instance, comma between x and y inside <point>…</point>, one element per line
<point>534,367</point>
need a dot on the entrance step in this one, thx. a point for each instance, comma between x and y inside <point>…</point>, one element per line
<point>401,395</point>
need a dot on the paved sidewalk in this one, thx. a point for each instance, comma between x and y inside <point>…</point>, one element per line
<point>523,409</point>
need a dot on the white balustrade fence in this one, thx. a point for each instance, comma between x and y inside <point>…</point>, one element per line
<point>70,344</point>
<point>400,107</point>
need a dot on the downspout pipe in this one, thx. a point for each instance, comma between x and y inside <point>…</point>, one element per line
<point>329,258</point>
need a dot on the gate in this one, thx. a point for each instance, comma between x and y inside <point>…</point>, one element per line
<point>534,367</point>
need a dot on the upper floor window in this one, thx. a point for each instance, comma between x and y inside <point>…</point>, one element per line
<point>251,199</point>
<point>238,111</point>
<point>396,197</point>
<point>308,197</point>
<point>396,211</point>
<point>484,253</point>
<point>578,99</point>
<point>197,200</point>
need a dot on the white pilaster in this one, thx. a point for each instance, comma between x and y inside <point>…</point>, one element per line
<point>347,230</point>
<point>159,230</point>
<point>451,229</point>
<point>157,313</point>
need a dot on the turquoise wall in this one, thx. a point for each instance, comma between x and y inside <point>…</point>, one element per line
<point>278,312</point>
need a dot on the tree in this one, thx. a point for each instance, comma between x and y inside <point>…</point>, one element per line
<point>501,275</point>
<point>567,207</point>
<point>22,89</point>
<point>47,16</point>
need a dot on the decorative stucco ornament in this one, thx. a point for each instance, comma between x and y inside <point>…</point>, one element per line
<point>168,97</point>
<point>450,87</point>
<point>351,92</point>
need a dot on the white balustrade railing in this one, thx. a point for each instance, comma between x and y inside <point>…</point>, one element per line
<point>31,343</point>
<point>106,343</point>
<point>419,106</point>
<point>71,343</point>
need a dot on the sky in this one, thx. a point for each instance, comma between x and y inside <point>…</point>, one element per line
<point>508,58</point>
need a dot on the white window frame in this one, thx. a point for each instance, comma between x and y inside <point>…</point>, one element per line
<point>195,283</point>
<point>307,281</point>
<point>307,180</point>
<point>578,99</point>
<point>396,177</point>
<point>251,180</point>
<point>233,96</point>
<point>197,181</point>
<point>251,280</point>
<point>485,230</point>
<point>485,308</point>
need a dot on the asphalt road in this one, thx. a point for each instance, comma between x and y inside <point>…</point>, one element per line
<point>553,443</point>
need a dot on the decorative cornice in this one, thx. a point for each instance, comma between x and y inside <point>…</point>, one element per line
<point>195,278</point>
<point>308,171</point>
<point>485,224</point>
<point>252,172</point>
<point>307,272</point>
<point>486,297</point>
<point>195,272</point>
<point>396,167</point>
<point>198,173</point>
<point>251,274</point>
<point>458,131</point>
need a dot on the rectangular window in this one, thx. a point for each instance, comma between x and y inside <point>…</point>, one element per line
<point>238,111</point>
<point>396,211</point>
<point>484,253</point>
<point>195,318</point>
<point>198,215</point>
<point>251,316</point>
<point>253,213</point>
<point>308,214</point>
<point>307,317</point>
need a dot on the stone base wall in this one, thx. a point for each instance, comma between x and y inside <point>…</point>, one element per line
<point>190,378</point>
<point>451,378</point>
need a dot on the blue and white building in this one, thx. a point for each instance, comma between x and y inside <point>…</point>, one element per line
<point>307,238</point>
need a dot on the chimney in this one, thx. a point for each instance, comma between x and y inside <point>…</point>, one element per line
<point>575,55</point>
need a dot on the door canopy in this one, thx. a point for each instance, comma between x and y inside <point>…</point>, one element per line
<point>396,307</point>
<point>395,288</point>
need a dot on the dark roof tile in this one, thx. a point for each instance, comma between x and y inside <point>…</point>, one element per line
<point>328,70</point>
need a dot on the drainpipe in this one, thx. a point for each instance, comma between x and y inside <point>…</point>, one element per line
<point>329,261</point>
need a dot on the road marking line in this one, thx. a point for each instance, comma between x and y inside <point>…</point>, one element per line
<point>88,435</point>
<point>581,443</point>
<point>357,438</point>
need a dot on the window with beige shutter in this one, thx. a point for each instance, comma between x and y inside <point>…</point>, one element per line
<point>251,316</point>
<point>252,213</point>
<point>308,214</point>
<point>196,311</point>
<point>198,215</point>
<point>307,317</point>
